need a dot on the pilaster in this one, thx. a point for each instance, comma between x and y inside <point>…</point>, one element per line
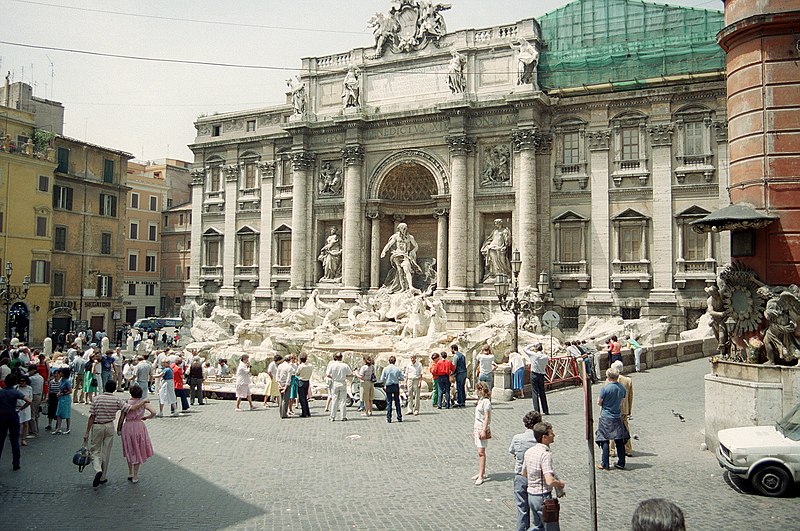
<point>460,147</point>
<point>195,255</point>
<point>600,292</point>
<point>229,242</point>
<point>663,259</point>
<point>441,248</point>
<point>266,171</point>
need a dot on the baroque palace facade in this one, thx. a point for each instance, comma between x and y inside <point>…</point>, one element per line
<point>594,153</point>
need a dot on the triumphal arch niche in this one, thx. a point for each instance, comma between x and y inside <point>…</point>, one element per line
<point>538,136</point>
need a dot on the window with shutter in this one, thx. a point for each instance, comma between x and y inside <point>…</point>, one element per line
<point>105,243</point>
<point>41,226</point>
<point>153,203</point>
<point>40,272</point>
<point>60,239</point>
<point>58,283</point>
<point>63,160</point>
<point>108,171</point>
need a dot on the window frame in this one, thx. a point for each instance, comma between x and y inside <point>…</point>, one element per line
<point>60,244</point>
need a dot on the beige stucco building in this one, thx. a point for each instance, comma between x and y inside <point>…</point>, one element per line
<point>595,172</point>
<point>176,246</point>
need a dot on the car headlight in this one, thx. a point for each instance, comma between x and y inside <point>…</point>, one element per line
<point>741,459</point>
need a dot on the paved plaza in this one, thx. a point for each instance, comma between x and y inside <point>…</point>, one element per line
<point>218,469</point>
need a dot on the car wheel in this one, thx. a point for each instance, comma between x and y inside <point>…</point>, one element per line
<point>771,481</point>
<point>349,402</point>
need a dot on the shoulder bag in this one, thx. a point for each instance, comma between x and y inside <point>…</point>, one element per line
<point>550,507</point>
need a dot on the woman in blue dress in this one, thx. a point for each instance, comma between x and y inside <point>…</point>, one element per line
<point>64,407</point>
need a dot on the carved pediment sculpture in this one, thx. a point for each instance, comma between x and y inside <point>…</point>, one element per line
<point>410,25</point>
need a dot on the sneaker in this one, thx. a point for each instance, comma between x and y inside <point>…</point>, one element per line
<point>30,436</point>
<point>66,432</point>
<point>344,419</point>
<point>620,467</point>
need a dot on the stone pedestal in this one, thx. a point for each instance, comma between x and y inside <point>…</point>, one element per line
<point>742,394</point>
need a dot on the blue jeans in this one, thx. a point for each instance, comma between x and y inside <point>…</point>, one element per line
<point>620,453</point>
<point>538,393</point>
<point>9,427</point>
<point>444,391</point>
<point>393,397</point>
<point>488,378</point>
<point>536,502</point>
<point>181,393</point>
<point>461,390</point>
<point>523,505</point>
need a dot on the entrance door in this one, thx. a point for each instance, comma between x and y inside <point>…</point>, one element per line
<point>130,315</point>
<point>18,321</point>
<point>97,323</point>
<point>62,324</point>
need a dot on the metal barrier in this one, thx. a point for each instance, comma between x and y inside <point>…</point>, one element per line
<point>562,369</point>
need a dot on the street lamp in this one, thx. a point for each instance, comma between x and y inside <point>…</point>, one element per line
<point>9,293</point>
<point>513,304</point>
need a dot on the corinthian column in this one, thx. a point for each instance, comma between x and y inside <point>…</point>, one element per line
<point>460,147</point>
<point>525,142</point>
<point>195,256</point>
<point>352,246</point>
<point>302,164</point>
<point>264,290</point>
<point>229,242</point>
<point>441,248</point>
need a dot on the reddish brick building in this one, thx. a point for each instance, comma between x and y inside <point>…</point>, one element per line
<point>761,41</point>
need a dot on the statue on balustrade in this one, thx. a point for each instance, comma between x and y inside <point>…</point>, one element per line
<point>403,258</point>
<point>331,257</point>
<point>527,63</point>
<point>351,89</point>
<point>298,91</point>
<point>495,252</point>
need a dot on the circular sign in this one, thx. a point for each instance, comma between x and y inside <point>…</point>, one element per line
<point>551,319</point>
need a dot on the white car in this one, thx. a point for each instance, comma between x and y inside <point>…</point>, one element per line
<point>767,456</point>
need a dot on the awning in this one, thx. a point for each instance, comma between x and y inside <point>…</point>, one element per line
<point>732,217</point>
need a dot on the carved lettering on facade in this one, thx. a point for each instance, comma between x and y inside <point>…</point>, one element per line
<point>393,131</point>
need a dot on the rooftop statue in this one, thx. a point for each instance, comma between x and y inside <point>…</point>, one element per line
<point>298,90</point>
<point>410,25</point>
<point>527,63</point>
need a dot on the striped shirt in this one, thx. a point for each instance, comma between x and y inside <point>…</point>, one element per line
<point>105,407</point>
<point>537,462</point>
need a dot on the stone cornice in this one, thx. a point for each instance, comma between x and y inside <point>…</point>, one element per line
<point>353,155</point>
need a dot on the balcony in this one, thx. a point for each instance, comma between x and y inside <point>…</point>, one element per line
<point>635,270</point>
<point>283,190</point>
<point>281,272</point>
<point>571,271</point>
<point>571,172</point>
<point>211,272</point>
<point>246,272</point>
<point>695,164</point>
<point>249,193</point>
<point>695,270</point>
<point>630,168</point>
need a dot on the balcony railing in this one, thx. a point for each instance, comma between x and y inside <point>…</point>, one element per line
<point>695,270</point>
<point>249,192</point>
<point>574,271</point>
<point>633,270</point>
<point>246,271</point>
<point>211,271</point>
<point>282,271</point>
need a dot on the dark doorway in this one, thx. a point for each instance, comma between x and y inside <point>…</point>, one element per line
<point>19,321</point>
<point>97,323</point>
<point>130,315</point>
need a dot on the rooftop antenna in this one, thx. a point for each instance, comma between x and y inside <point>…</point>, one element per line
<point>52,75</point>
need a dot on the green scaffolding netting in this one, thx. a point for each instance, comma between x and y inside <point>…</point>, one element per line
<point>621,41</point>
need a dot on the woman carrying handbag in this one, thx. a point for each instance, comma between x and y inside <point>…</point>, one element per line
<point>543,485</point>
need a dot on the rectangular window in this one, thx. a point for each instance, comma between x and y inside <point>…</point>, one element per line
<point>214,185</point>
<point>153,203</point>
<point>134,233</point>
<point>133,262</point>
<point>216,130</point>
<point>188,244</point>
<point>569,320</point>
<point>630,143</point>
<point>571,244</point>
<point>248,252</point>
<point>177,300</point>
<point>131,289</point>
<point>1,222</point>
<point>150,290</point>
<point>571,153</point>
<point>631,240</point>
<point>41,226</point>
<point>188,272</point>
<point>149,311</point>
<point>58,283</point>
<point>285,252</point>
<point>103,285</point>
<point>134,200</point>
<point>105,243</point>
<point>180,219</point>
<point>212,252</point>
<point>108,171</point>
<point>152,231</point>
<point>40,272</point>
<point>695,245</point>
<point>108,205</point>
<point>150,263</point>
<point>60,239</point>
<point>251,126</point>
<point>62,197</point>
<point>250,175</point>
<point>630,313</point>
<point>694,138</point>
<point>169,203</point>
<point>44,183</point>
<point>63,160</point>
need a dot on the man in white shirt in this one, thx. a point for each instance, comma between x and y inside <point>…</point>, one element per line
<point>539,361</point>
<point>338,372</point>
<point>413,376</point>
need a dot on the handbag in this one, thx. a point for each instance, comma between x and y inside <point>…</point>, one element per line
<point>550,510</point>
<point>488,432</point>
<point>82,458</point>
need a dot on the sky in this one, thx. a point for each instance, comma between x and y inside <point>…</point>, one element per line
<point>148,108</point>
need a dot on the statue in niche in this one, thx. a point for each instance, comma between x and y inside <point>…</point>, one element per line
<point>403,258</point>
<point>330,180</point>
<point>497,166</point>
<point>495,252</point>
<point>351,89</point>
<point>331,257</point>
<point>527,61</point>
<point>298,91</point>
<point>455,73</point>
<point>782,314</point>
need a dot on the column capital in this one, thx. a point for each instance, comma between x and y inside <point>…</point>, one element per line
<point>722,131</point>
<point>353,154</point>
<point>545,146</point>
<point>231,172</point>
<point>302,160</point>
<point>661,134</point>
<point>460,145</point>
<point>267,168</point>
<point>441,213</point>
<point>528,138</point>
<point>198,176</point>
<point>599,140</point>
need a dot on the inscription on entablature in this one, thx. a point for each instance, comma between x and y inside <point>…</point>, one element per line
<point>393,131</point>
<point>414,82</point>
<point>496,120</point>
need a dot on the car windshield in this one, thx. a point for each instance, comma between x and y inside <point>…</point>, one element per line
<point>789,425</point>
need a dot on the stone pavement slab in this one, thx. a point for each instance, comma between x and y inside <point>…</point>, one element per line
<point>218,469</point>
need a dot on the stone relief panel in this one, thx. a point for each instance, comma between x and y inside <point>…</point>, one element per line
<point>495,71</point>
<point>330,181</point>
<point>496,166</point>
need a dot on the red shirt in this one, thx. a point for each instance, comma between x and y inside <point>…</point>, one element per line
<point>445,367</point>
<point>178,376</point>
<point>434,368</point>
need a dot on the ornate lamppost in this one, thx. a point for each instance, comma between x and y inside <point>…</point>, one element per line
<point>10,294</point>
<point>511,304</point>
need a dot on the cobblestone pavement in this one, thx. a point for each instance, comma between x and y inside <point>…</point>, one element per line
<point>217,469</point>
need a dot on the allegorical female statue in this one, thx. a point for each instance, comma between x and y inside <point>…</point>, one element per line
<point>495,251</point>
<point>331,257</point>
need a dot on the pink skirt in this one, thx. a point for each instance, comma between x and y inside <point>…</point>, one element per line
<point>136,446</point>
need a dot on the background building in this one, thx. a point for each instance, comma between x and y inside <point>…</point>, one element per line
<point>26,225</point>
<point>48,115</point>
<point>597,176</point>
<point>176,246</point>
